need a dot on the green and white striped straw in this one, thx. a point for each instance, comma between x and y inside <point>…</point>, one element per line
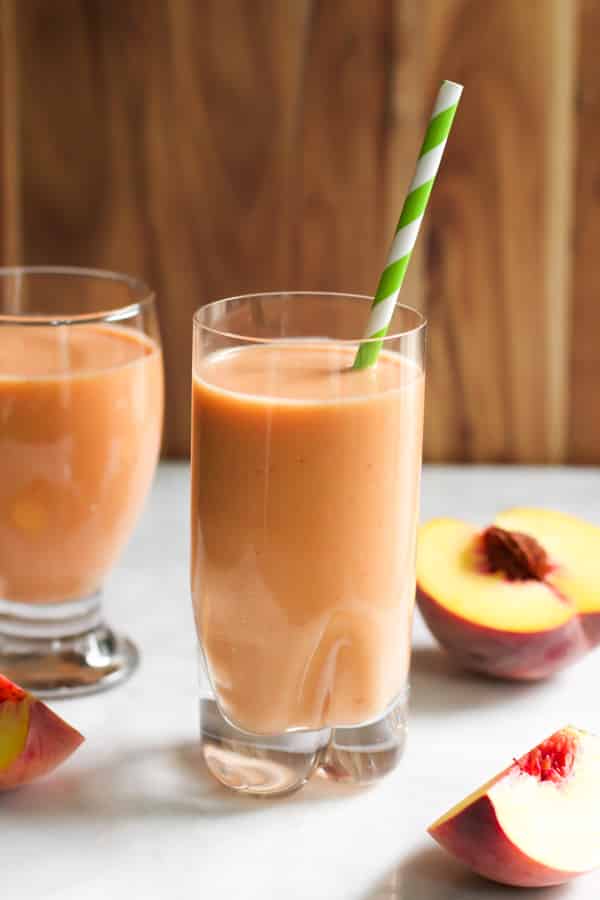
<point>411,217</point>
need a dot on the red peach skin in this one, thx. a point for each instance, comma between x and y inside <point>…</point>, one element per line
<point>476,838</point>
<point>525,656</point>
<point>591,626</point>
<point>50,741</point>
<point>33,739</point>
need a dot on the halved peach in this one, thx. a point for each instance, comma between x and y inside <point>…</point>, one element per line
<point>33,739</point>
<point>520,599</point>
<point>537,823</point>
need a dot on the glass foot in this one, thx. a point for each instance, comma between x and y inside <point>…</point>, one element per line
<point>68,667</point>
<point>63,649</point>
<point>260,765</point>
<point>369,752</point>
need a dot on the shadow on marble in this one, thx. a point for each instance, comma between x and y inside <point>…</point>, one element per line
<point>144,781</point>
<point>163,782</point>
<point>318,790</point>
<point>429,874</point>
<point>439,686</point>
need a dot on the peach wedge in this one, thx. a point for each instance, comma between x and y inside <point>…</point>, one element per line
<point>33,739</point>
<point>537,823</point>
<point>520,599</point>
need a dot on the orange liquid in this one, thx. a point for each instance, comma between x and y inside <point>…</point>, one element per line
<point>80,424</point>
<point>305,479</point>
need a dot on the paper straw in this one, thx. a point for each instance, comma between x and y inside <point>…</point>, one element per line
<point>411,217</point>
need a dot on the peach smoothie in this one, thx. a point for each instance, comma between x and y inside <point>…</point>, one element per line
<point>80,426</point>
<point>305,482</point>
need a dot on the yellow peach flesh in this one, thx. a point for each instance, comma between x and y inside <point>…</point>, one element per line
<point>448,570</point>
<point>14,726</point>
<point>573,546</point>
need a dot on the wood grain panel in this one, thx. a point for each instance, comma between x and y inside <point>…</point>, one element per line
<point>497,257</point>
<point>584,430</point>
<point>360,115</point>
<point>223,146</point>
<point>203,147</point>
<point>157,139</point>
<point>10,209</point>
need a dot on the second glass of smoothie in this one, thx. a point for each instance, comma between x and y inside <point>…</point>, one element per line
<point>81,408</point>
<point>305,487</point>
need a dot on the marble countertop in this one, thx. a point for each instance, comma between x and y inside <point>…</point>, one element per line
<point>133,815</point>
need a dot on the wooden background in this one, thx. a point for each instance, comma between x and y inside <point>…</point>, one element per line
<point>225,146</point>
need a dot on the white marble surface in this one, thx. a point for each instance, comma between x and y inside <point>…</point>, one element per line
<point>131,815</point>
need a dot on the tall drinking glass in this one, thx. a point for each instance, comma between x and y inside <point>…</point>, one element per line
<point>305,487</point>
<point>81,407</point>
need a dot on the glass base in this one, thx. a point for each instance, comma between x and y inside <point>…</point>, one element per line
<point>365,754</point>
<point>257,764</point>
<point>273,765</point>
<point>63,649</point>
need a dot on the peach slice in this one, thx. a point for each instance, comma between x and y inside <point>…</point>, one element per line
<point>537,823</point>
<point>520,599</point>
<point>33,739</point>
